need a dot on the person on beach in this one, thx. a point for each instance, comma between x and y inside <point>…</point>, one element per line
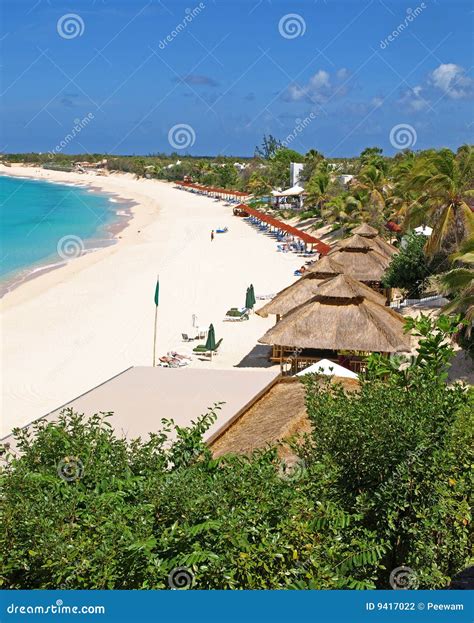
<point>212,235</point>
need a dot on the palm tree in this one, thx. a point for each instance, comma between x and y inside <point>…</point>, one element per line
<point>258,185</point>
<point>344,209</point>
<point>373,191</point>
<point>317,190</point>
<point>403,196</point>
<point>444,182</point>
<point>458,283</point>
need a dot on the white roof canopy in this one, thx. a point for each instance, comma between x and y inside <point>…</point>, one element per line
<point>424,229</point>
<point>329,368</point>
<point>290,192</point>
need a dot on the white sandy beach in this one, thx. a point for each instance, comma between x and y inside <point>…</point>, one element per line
<point>70,329</point>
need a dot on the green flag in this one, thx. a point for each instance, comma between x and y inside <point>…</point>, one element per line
<point>157,292</point>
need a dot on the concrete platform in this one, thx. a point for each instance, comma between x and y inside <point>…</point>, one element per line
<point>141,396</point>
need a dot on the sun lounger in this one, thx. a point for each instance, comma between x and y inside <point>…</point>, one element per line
<point>234,314</point>
<point>172,362</point>
<point>187,338</point>
<point>202,350</point>
<point>175,355</point>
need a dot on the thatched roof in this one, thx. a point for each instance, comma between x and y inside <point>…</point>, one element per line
<point>278,415</point>
<point>374,240</point>
<point>303,289</point>
<point>365,230</point>
<point>326,267</point>
<point>360,259</point>
<point>344,315</point>
<point>290,297</point>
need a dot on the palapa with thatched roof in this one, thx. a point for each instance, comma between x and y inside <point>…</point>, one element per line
<point>303,289</point>
<point>375,240</point>
<point>361,260</point>
<point>326,267</point>
<point>279,415</point>
<point>345,315</point>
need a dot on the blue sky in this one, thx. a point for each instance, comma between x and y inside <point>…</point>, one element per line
<point>324,72</point>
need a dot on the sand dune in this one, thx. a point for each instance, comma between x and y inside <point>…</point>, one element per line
<point>72,328</point>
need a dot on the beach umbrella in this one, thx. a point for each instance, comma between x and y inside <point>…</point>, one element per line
<point>252,294</point>
<point>248,299</point>
<point>211,338</point>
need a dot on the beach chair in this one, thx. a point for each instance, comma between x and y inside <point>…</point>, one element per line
<point>236,315</point>
<point>186,337</point>
<point>202,350</point>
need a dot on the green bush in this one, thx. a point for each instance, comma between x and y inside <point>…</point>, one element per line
<point>383,480</point>
<point>409,268</point>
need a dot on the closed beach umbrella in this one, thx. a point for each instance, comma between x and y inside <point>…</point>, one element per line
<point>211,338</point>
<point>252,295</point>
<point>248,299</point>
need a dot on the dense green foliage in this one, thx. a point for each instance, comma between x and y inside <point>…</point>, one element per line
<point>383,480</point>
<point>399,455</point>
<point>458,285</point>
<point>409,268</point>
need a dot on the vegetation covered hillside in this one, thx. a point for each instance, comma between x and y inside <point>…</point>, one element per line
<point>382,482</point>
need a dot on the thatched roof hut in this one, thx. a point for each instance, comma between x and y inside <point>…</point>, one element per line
<point>280,414</point>
<point>375,240</point>
<point>326,267</point>
<point>360,259</point>
<point>303,289</point>
<point>345,315</point>
<point>366,230</point>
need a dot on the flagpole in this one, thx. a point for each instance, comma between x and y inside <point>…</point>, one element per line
<point>154,337</point>
<point>156,318</point>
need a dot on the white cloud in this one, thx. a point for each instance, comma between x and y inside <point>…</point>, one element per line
<point>320,80</point>
<point>342,73</point>
<point>320,87</point>
<point>413,100</point>
<point>452,80</point>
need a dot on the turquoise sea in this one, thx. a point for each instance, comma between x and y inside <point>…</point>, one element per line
<point>43,224</point>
